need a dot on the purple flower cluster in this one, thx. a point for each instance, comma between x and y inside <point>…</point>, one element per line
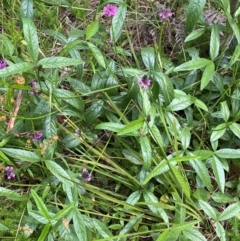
<point>78,132</point>
<point>86,175</point>
<point>144,82</point>
<point>9,172</point>
<point>36,136</point>
<point>3,64</point>
<point>165,13</point>
<point>110,10</point>
<point>35,90</point>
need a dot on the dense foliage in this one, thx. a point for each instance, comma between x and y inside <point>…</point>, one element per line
<point>119,120</point>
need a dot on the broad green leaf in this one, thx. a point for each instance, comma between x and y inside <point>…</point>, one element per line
<point>156,135</point>
<point>102,229</point>
<point>200,104</point>
<point>131,127</point>
<point>235,128</point>
<point>6,47</point>
<point>58,62</point>
<point>122,51</point>
<point>44,232</point>
<point>79,225</point>
<point>193,235</point>
<point>218,131</point>
<point>118,22</point>
<point>131,156</point>
<point>209,210</point>
<point>222,197</point>
<point>109,126</point>
<point>185,137</point>
<point>195,34</point>
<point>219,173</point>
<point>148,57</point>
<point>50,127</point>
<point>193,64</point>
<point>22,155</point>
<point>235,56</point>
<point>228,153</point>
<point>97,54</point>
<point>95,110</point>
<point>214,42</point>
<point>179,104</point>
<point>3,227</point>
<point>15,69</point>
<point>131,72</point>
<point>146,152</point>
<point>163,236</point>
<point>27,9</point>
<point>40,205</point>
<point>63,212</point>
<point>207,75</point>
<point>31,38</point>
<point>201,194</point>
<point>79,86</point>
<point>194,11</point>
<point>234,26</point>
<point>69,97</point>
<point>134,197</point>
<point>230,212</point>
<point>71,141</point>
<point>59,172</point>
<point>220,231</point>
<point>183,185</point>
<point>92,29</point>
<point>12,195</point>
<point>39,218</point>
<point>225,110</point>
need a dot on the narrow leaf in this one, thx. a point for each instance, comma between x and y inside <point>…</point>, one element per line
<point>193,64</point>
<point>214,42</point>
<point>230,212</point>
<point>207,75</point>
<point>219,173</point>
<point>97,54</point>
<point>208,209</point>
<point>58,62</point>
<point>131,127</point>
<point>15,68</point>
<point>146,152</point>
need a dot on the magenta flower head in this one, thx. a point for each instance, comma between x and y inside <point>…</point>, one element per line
<point>165,13</point>
<point>3,64</point>
<point>36,136</point>
<point>35,90</point>
<point>86,175</point>
<point>9,172</point>
<point>144,82</point>
<point>110,10</point>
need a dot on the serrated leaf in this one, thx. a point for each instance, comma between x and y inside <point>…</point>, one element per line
<point>59,172</point>
<point>208,209</point>
<point>193,235</point>
<point>230,212</point>
<point>146,152</point>
<point>97,54</point>
<point>218,131</point>
<point>27,9</point>
<point>194,34</point>
<point>222,197</point>
<point>193,64</point>
<point>15,68</point>
<point>228,153</point>
<point>148,57</point>
<point>179,104</point>
<point>118,22</point>
<point>207,75</point>
<point>220,231</point>
<point>12,195</point>
<point>31,38</point>
<point>235,128</point>
<point>92,29</point>
<point>134,197</point>
<point>79,226</point>
<point>102,229</point>
<point>22,155</point>
<point>219,174</point>
<point>131,127</point>
<point>58,62</point>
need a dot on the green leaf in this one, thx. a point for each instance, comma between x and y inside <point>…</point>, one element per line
<point>95,110</point>
<point>194,11</point>
<point>230,212</point>
<point>44,232</point>
<point>228,153</point>
<point>131,127</point>
<point>222,197</point>
<point>214,42</point>
<point>97,54</point>
<point>79,225</point>
<point>146,152</point>
<point>115,127</point>
<point>156,135</point>
<point>163,236</point>
<point>185,137</point>
<point>40,205</point>
<point>134,197</point>
<point>220,231</point>
<point>234,57</point>
<point>92,29</point>
<point>15,69</point>
<point>27,9</point>
<point>59,172</point>
<point>50,127</point>
<point>182,182</point>
<point>79,86</point>
<point>195,34</point>
<point>58,62</point>
<point>69,97</point>
<point>131,156</point>
<point>12,195</point>
<point>207,75</point>
<point>234,26</point>
<point>22,155</point>
<point>219,174</point>
<point>179,104</point>
<point>193,235</point>
<point>6,47</point>
<point>218,131</point>
<point>3,227</point>
<point>199,103</point>
<point>148,57</point>
<point>235,128</point>
<point>193,64</point>
<point>31,38</point>
<point>118,22</point>
<point>225,110</point>
<point>209,210</point>
<point>102,229</point>
<point>71,141</point>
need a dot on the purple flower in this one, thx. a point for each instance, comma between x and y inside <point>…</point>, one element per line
<point>144,82</point>
<point>35,90</point>
<point>3,64</point>
<point>86,175</point>
<point>9,172</point>
<point>78,132</point>
<point>36,136</point>
<point>165,13</point>
<point>110,10</point>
